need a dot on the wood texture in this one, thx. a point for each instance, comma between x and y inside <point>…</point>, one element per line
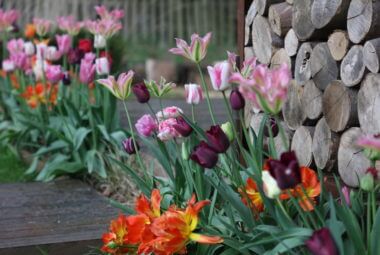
<point>329,13</point>
<point>302,144</point>
<point>339,106</point>
<point>251,14</point>
<point>280,18</point>
<point>352,164</point>
<point>293,111</point>
<point>324,68</point>
<point>352,67</point>
<point>291,43</point>
<point>312,100</point>
<point>302,69</point>
<point>371,54</point>
<point>301,21</point>
<point>279,58</point>
<point>338,43</point>
<point>263,5</point>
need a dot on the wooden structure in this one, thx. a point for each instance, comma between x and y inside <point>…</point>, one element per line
<point>333,50</point>
<point>59,218</point>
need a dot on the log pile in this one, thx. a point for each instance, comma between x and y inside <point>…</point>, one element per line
<point>333,50</point>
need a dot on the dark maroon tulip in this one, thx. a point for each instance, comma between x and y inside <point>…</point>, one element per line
<point>322,243</point>
<point>204,155</point>
<point>373,171</point>
<point>273,126</point>
<point>237,100</point>
<point>182,127</point>
<point>129,146</point>
<point>74,56</point>
<point>15,28</point>
<point>66,80</point>
<point>286,171</point>
<point>141,92</point>
<point>217,139</point>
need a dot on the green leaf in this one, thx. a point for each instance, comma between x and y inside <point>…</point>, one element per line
<point>79,137</point>
<point>56,145</point>
<point>286,245</point>
<point>95,163</point>
<point>375,234</point>
<point>57,166</point>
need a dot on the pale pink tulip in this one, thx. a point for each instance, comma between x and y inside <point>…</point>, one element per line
<point>8,65</point>
<point>15,46</point>
<point>105,28</point>
<point>69,25</point>
<point>52,53</point>
<point>39,68</point>
<point>371,142</point>
<point>29,49</point>
<point>193,93</point>
<point>220,75</point>
<point>146,125</point>
<point>120,88</point>
<point>42,26</point>
<point>166,130</point>
<point>102,11</point>
<point>270,185</point>
<point>64,43</point>
<point>87,68</point>
<point>7,19</point>
<point>169,112</point>
<point>21,61</point>
<point>102,66</point>
<point>54,73</point>
<point>197,49</point>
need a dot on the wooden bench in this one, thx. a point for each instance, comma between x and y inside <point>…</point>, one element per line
<point>64,217</point>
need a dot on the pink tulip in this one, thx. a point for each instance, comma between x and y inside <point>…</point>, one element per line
<point>42,26</point>
<point>64,43</point>
<point>8,65</point>
<point>102,11</point>
<point>105,28</point>
<point>169,112</point>
<point>52,54</point>
<point>21,61</point>
<point>197,49</point>
<point>369,142</point>
<point>346,191</point>
<point>87,68</point>
<point>29,49</point>
<point>15,46</point>
<point>120,88</point>
<point>39,68</point>
<point>7,19</point>
<point>193,93</point>
<point>246,73</point>
<point>102,66</point>
<point>166,130</point>
<point>146,125</point>
<point>220,75</point>
<point>54,73</point>
<point>69,24</point>
<point>41,49</point>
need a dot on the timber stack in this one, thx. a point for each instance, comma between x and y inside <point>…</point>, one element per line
<point>333,50</point>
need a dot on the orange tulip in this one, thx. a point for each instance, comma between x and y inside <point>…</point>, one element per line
<point>40,94</point>
<point>308,190</point>
<point>152,209</point>
<point>252,192</point>
<point>30,30</point>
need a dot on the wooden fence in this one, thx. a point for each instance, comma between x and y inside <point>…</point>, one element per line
<point>156,20</point>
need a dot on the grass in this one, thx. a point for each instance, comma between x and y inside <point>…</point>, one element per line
<point>11,168</point>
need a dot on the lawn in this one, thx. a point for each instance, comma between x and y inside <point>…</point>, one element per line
<point>12,169</point>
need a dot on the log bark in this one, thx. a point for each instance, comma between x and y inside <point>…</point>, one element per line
<point>325,146</point>
<point>279,143</point>
<point>329,13</point>
<point>280,18</point>
<point>293,111</point>
<point>263,5</point>
<point>363,20</point>
<point>248,52</point>
<point>291,43</point>
<point>338,43</point>
<point>371,52</point>
<point>312,101</point>
<point>352,67</point>
<point>302,144</point>
<point>264,41</point>
<point>324,68</point>
<point>279,58</point>
<point>252,12</point>
<point>302,70</point>
<point>352,164</point>
<point>339,106</point>
<point>369,104</point>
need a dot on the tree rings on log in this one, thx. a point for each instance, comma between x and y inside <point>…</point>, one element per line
<point>352,67</point>
<point>312,100</point>
<point>338,43</point>
<point>371,53</point>
<point>302,69</point>
<point>302,144</point>
<point>292,111</point>
<point>291,43</point>
<point>329,13</point>
<point>280,18</point>
<point>279,58</point>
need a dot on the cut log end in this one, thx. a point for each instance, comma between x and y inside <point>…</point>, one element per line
<point>302,144</point>
<point>293,111</point>
<point>338,43</point>
<point>371,53</point>
<point>352,68</point>
<point>291,43</point>
<point>280,18</point>
<point>302,70</point>
<point>312,100</point>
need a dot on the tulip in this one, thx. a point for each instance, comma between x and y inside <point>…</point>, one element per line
<point>237,100</point>
<point>270,185</point>
<point>74,56</point>
<point>104,27</point>
<point>41,49</point>
<point>99,41</point>
<point>204,155</point>
<point>169,112</point>
<point>21,61</point>
<point>166,130</point>
<point>66,80</point>
<point>220,75</point>
<point>69,25</point>
<point>197,49</point>
<point>87,69</point>
<point>102,11</point>
<point>8,65</point>
<point>15,46</point>
<point>217,139</point>
<point>346,191</point>
<point>146,125</point>
<point>30,31</point>
<point>29,49</point>
<point>286,171</point>
<point>102,66</point>
<point>129,146</point>
<point>371,145</point>
<point>64,43</point>
<point>160,89</point>
<point>182,127</point>
<point>367,182</point>
<point>54,73</point>
<point>141,92</point>
<point>7,19</point>
<point>42,26</point>
<point>193,93</point>
<point>322,243</point>
<point>52,54</point>
<point>184,152</point>
<point>273,127</point>
<point>39,68</point>
<point>228,130</point>
<point>85,45</point>
<point>120,88</point>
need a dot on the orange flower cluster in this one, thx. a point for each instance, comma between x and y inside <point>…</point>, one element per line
<point>149,231</point>
<point>40,94</point>
<point>306,192</point>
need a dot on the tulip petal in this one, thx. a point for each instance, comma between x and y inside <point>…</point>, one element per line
<point>206,239</point>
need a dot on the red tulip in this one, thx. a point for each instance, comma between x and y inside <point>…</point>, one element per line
<point>182,127</point>
<point>217,139</point>
<point>286,171</point>
<point>322,243</point>
<point>204,155</point>
<point>85,45</point>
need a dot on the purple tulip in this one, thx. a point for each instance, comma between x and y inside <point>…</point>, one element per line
<point>322,243</point>
<point>129,146</point>
<point>74,56</point>
<point>66,80</point>
<point>204,155</point>
<point>182,127</point>
<point>217,139</point>
<point>273,126</point>
<point>286,171</point>
<point>237,100</point>
<point>141,92</point>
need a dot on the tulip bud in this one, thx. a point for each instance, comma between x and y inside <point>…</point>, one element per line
<point>141,92</point>
<point>29,49</point>
<point>322,243</point>
<point>66,80</point>
<point>102,66</point>
<point>99,42</point>
<point>193,93</point>
<point>182,127</point>
<point>372,154</point>
<point>54,73</point>
<point>185,152</point>
<point>228,130</point>
<point>8,65</point>
<point>273,127</point>
<point>217,139</point>
<point>286,171</point>
<point>204,155</point>
<point>237,100</point>
<point>367,182</point>
<point>129,146</point>
<point>270,186</point>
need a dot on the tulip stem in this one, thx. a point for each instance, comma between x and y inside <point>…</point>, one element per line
<point>192,112</point>
<point>151,109</point>
<point>283,209</point>
<point>204,85</point>
<point>368,220</point>
<point>282,132</point>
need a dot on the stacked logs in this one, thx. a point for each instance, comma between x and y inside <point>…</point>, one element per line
<point>333,49</point>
